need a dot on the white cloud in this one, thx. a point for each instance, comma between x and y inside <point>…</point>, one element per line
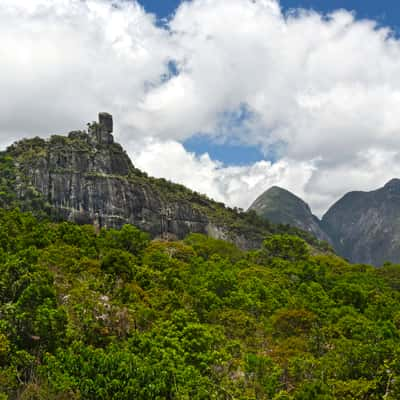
<point>62,61</point>
<point>327,86</point>
<point>236,185</point>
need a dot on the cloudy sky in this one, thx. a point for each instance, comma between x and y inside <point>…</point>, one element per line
<point>226,97</point>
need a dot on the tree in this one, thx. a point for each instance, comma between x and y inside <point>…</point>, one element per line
<point>287,247</point>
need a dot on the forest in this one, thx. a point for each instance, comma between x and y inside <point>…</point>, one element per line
<point>100,314</point>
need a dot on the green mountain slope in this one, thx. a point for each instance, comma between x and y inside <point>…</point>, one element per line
<point>109,314</point>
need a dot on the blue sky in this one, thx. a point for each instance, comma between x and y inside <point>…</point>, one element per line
<point>385,12</point>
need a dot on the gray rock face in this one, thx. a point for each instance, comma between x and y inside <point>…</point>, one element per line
<point>87,178</point>
<point>282,207</point>
<point>100,132</point>
<point>106,121</point>
<point>365,226</point>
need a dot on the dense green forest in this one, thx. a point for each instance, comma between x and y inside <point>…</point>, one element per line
<point>108,314</point>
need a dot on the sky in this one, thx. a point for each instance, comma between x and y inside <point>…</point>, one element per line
<point>386,12</point>
<point>226,97</point>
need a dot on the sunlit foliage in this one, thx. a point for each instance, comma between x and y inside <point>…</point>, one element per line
<point>113,315</point>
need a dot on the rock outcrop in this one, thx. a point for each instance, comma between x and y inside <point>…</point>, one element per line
<point>86,177</point>
<point>365,226</point>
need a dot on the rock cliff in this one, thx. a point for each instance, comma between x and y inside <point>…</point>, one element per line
<point>86,177</point>
<point>365,226</point>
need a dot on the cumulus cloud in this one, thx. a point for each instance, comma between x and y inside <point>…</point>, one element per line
<point>63,61</point>
<point>238,186</point>
<point>325,89</point>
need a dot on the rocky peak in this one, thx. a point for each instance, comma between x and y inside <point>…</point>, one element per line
<point>393,186</point>
<point>365,226</point>
<point>280,206</point>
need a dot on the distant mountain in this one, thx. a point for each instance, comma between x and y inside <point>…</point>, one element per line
<point>283,207</point>
<point>365,226</point>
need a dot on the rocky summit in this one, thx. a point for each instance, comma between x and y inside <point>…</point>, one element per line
<point>365,226</point>
<point>283,207</point>
<point>86,177</point>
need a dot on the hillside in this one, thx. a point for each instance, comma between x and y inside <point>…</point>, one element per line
<point>109,314</point>
<point>87,178</point>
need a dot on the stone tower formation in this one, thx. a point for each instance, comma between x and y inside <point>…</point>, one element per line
<point>101,131</point>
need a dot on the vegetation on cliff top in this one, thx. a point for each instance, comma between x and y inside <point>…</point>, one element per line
<point>109,314</point>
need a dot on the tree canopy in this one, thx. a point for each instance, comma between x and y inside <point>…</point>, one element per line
<point>113,315</point>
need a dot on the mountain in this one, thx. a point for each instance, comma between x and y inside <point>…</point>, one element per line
<point>283,207</point>
<point>87,178</point>
<point>365,226</point>
<point>89,313</point>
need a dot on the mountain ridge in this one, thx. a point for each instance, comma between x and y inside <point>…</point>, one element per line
<point>362,226</point>
<point>86,177</point>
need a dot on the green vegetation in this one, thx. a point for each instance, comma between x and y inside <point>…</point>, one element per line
<point>113,315</point>
<point>280,206</point>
